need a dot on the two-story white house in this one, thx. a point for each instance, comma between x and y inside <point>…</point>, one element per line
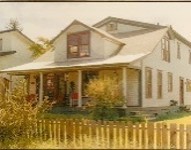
<point>14,50</point>
<point>152,62</point>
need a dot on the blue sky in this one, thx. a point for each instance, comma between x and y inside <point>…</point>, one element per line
<point>48,19</point>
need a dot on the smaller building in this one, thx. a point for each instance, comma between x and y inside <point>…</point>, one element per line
<point>14,51</point>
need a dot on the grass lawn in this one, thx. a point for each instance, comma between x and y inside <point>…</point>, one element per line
<point>183,120</point>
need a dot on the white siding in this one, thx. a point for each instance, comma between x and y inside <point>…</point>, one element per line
<point>122,28</point>
<point>11,42</point>
<point>179,68</point>
<point>99,46</point>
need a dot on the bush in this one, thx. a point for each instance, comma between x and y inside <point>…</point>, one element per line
<point>105,94</point>
<point>17,116</point>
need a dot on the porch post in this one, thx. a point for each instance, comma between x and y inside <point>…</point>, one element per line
<point>124,79</point>
<point>79,88</point>
<point>41,89</point>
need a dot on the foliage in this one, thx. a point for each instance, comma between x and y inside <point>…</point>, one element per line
<point>17,116</point>
<point>14,25</point>
<point>40,47</point>
<point>172,115</point>
<point>105,94</point>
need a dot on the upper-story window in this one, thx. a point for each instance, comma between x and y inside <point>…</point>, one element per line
<point>189,61</point>
<point>165,44</point>
<point>112,26</point>
<point>148,82</point>
<point>78,44</point>
<point>178,51</point>
<point>1,44</point>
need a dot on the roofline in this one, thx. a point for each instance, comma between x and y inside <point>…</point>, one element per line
<point>68,68</point>
<point>181,38</point>
<point>127,21</point>
<point>78,22</point>
<point>4,31</point>
<point>16,30</point>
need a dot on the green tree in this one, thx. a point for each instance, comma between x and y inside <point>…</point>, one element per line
<point>18,116</point>
<point>40,47</point>
<point>105,94</point>
<point>14,24</point>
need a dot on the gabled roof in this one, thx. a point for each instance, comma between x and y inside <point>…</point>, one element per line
<point>126,21</point>
<point>19,32</point>
<point>136,48</point>
<point>101,32</point>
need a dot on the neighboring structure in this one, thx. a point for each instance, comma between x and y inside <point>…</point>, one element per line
<point>14,50</point>
<point>152,62</point>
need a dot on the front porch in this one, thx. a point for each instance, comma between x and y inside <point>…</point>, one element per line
<point>67,87</point>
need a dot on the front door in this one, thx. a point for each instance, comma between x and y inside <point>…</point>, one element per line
<point>181,91</point>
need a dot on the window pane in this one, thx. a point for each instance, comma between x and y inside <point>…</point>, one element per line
<point>84,38</point>
<point>73,51</point>
<point>73,39</point>
<point>84,50</point>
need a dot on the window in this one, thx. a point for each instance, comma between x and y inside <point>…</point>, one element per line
<point>111,26</point>
<point>188,85</point>
<point>189,61</point>
<point>148,81</point>
<point>178,51</point>
<point>165,44</point>
<point>1,44</point>
<point>170,82</point>
<point>159,84</point>
<point>78,44</point>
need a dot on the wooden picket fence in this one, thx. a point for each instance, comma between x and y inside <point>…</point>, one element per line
<point>110,134</point>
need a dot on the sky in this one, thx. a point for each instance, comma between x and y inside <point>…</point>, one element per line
<point>47,19</point>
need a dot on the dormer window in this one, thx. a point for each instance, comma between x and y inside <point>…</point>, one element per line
<point>165,44</point>
<point>78,44</point>
<point>1,44</point>
<point>112,26</point>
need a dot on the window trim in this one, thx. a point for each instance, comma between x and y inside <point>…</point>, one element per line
<point>109,28</point>
<point>1,46</point>
<point>188,88</point>
<point>165,49</point>
<point>178,50</point>
<point>148,94</point>
<point>170,81</point>
<point>189,59</point>
<point>159,84</point>
<point>78,34</point>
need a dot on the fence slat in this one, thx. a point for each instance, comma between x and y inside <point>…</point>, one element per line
<point>143,133</point>
<point>164,136</point>
<point>111,135</point>
<point>181,136</point>
<point>158,136</point>
<point>188,137</point>
<point>173,136</point>
<point>150,131</point>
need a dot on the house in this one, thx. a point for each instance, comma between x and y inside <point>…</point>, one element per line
<point>14,50</point>
<point>152,62</point>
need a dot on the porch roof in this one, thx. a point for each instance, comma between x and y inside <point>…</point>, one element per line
<point>36,66</point>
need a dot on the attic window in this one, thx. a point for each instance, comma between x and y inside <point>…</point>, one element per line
<point>1,44</point>
<point>78,44</point>
<point>165,44</point>
<point>178,51</point>
<point>112,26</point>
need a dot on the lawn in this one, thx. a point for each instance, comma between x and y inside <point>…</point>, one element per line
<point>183,120</point>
